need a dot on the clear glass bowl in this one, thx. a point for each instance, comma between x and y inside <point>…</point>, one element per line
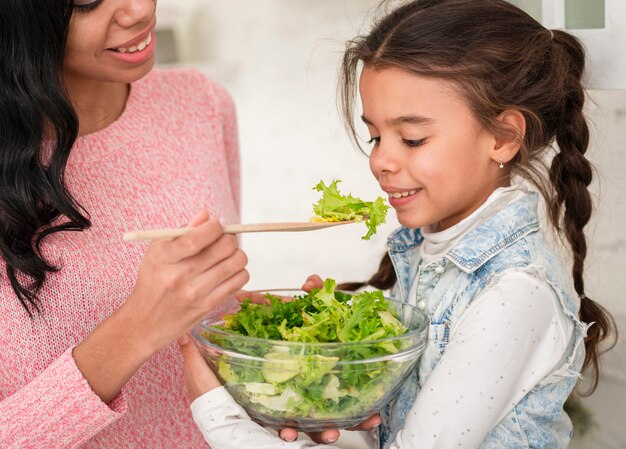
<point>303,385</point>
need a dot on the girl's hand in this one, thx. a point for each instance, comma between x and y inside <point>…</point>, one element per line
<point>199,378</point>
<point>332,435</point>
<point>254,297</point>
<point>313,281</point>
<point>183,279</point>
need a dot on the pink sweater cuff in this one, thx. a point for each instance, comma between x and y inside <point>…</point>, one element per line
<point>57,409</point>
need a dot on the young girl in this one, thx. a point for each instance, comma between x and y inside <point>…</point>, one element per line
<point>94,143</point>
<point>462,98</point>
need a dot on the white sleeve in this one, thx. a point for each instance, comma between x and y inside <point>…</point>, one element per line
<point>508,339</point>
<point>226,425</point>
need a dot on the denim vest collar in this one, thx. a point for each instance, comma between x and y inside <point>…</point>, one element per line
<point>475,249</point>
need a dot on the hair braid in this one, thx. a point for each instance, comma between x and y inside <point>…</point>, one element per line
<point>570,174</point>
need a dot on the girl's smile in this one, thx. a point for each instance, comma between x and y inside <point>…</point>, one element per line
<point>401,197</point>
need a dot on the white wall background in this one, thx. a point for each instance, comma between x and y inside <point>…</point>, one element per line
<point>279,59</point>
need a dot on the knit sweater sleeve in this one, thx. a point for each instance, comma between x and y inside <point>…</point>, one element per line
<point>56,409</point>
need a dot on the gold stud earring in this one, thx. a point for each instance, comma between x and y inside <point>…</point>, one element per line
<point>501,163</point>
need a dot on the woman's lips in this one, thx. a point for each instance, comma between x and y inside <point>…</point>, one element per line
<point>137,56</point>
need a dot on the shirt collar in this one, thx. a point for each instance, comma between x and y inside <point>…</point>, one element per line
<point>501,230</point>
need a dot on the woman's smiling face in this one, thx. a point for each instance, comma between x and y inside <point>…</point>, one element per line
<point>110,40</point>
<point>429,153</point>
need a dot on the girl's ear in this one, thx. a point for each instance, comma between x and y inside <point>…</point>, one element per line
<point>509,142</point>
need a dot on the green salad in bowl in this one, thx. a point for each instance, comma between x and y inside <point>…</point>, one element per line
<point>315,360</point>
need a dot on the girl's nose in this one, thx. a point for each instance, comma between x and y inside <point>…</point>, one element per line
<point>383,160</point>
<point>132,12</point>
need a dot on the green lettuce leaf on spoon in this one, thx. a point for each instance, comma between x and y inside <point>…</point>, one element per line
<point>333,206</point>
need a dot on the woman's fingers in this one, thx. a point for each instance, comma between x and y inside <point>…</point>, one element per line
<point>219,293</point>
<point>181,280</point>
<point>219,272</point>
<point>222,249</point>
<point>202,216</point>
<point>195,241</point>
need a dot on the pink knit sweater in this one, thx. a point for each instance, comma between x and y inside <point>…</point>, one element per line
<point>173,151</point>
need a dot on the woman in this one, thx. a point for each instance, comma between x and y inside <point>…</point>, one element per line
<point>93,142</point>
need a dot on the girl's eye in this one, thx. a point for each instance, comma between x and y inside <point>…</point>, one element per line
<point>414,143</point>
<point>374,140</point>
<point>86,5</point>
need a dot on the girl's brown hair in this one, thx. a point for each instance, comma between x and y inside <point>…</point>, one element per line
<point>500,58</point>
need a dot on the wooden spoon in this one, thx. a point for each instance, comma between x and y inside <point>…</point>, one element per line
<point>156,234</point>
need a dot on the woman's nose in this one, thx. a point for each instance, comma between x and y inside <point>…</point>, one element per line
<point>132,12</point>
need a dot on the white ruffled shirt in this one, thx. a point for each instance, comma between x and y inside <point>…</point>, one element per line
<point>525,340</point>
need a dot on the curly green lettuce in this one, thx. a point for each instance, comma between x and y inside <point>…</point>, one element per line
<point>310,384</point>
<point>333,206</point>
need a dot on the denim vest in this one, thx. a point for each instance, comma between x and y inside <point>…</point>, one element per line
<point>510,239</point>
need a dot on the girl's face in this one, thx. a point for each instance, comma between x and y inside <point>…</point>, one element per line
<point>429,152</point>
<point>110,40</point>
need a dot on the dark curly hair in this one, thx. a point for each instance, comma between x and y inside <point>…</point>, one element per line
<point>35,113</point>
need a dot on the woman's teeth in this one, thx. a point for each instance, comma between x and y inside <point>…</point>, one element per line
<point>142,45</point>
<point>403,194</point>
